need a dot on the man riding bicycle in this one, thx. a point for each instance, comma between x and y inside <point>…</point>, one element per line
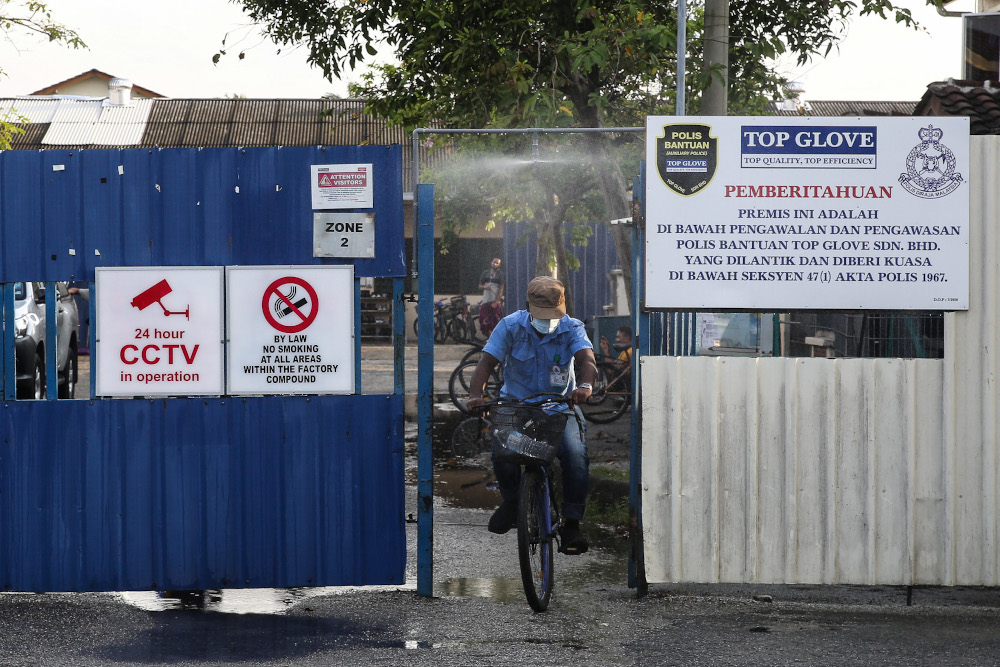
<point>538,347</point>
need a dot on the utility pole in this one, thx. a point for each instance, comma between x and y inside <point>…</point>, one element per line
<point>715,98</point>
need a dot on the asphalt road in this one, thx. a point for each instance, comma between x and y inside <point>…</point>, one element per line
<point>478,616</point>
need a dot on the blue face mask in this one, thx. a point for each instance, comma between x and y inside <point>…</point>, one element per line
<point>544,326</point>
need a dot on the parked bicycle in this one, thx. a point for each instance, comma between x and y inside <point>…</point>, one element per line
<point>528,432</point>
<point>458,383</point>
<point>473,354</point>
<point>455,319</point>
<point>466,322</point>
<point>611,396</point>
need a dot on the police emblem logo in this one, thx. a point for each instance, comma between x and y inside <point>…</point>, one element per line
<point>930,167</point>
<point>687,157</point>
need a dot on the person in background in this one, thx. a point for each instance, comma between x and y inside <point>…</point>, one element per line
<point>84,292</point>
<point>622,345</point>
<point>538,347</point>
<point>491,306</point>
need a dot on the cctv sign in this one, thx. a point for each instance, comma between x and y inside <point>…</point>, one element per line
<point>159,331</point>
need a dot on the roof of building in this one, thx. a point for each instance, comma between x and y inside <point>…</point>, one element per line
<point>92,74</point>
<point>88,123</point>
<point>979,100</point>
<point>848,108</point>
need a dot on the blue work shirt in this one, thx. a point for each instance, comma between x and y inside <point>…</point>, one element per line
<point>531,364</point>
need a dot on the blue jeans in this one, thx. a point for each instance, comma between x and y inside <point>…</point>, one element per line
<point>575,462</point>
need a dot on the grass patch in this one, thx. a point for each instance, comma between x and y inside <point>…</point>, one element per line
<point>608,511</point>
<point>614,474</point>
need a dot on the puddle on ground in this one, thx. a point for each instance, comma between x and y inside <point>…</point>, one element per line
<point>241,600</point>
<point>466,487</point>
<point>498,589</point>
<point>603,572</point>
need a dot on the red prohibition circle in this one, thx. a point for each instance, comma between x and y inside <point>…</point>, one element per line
<point>303,319</point>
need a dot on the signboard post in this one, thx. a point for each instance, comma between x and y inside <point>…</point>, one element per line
<point>159,331</point>
<point>807,213</point>
<point>291,329</point>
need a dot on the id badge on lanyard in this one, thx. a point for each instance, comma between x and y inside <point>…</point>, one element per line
<point>558,376</point>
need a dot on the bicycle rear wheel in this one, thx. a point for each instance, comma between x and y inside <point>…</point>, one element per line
<point>611,395</point>
<point>475,334</point>
<point>534,539</point>
<point>458,330</point>
<point>440,330</point>
<point>474,354</point>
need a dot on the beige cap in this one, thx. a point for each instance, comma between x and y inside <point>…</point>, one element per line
<point>546,298</point>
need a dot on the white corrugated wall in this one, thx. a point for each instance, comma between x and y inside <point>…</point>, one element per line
<point>879,471</point>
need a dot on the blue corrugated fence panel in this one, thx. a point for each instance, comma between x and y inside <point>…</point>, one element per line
<point>589,285</point>
<point>201,493</point>
<point>180,207</point>
<point>21,190</point>
<point>101,214</point>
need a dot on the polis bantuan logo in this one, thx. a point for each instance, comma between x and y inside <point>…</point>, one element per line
<point>686,157</point>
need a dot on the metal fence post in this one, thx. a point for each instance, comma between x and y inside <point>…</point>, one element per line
<point>641,329</point>
<point>51,343</point>
<point>425,390</point>
<point>9,376</point>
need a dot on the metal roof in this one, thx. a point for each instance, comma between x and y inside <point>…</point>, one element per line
<point>847,108</point>
<point>78,122</point>
<point>177,123</point>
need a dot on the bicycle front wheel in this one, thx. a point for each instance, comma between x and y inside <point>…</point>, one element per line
<point>535,539</point>
<point>611,395</point>
<point>471,438</point>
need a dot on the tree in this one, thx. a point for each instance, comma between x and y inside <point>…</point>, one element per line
<point>490,180</point>
<point>582,63</point>
<point>26,19</point>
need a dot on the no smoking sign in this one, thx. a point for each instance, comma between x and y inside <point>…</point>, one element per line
<point>291,329</point>
<point>290,304</point>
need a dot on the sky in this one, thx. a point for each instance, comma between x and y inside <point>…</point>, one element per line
<point>167,47</point>
<point>880,60</point>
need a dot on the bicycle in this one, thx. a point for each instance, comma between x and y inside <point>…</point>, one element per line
<point>471,437</point>
<point>466,321</point>
<point>440,324</point>
<point>528,432</point>
<point>451,320</point>
<point>611,395</point>
<point>458,383</point>
<point>473,354</point>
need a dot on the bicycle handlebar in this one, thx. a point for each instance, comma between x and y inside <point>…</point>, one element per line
<point>550,399</point>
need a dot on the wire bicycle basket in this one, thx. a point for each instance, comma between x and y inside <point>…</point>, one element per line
<point>527,433</point>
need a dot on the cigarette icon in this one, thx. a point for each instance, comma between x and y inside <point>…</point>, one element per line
<point>285,306</point>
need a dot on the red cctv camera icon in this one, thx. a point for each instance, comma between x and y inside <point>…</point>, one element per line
<point>153,295</point>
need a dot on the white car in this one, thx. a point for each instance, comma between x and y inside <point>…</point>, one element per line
<point>29,339</point>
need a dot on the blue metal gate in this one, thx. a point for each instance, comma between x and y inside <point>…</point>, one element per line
<point>192,493</point>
